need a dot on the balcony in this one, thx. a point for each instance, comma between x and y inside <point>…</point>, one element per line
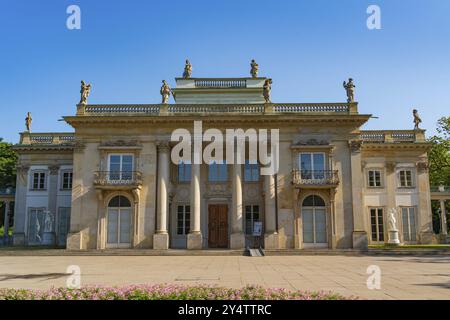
<point>117,180</point>
<point>315,178</point>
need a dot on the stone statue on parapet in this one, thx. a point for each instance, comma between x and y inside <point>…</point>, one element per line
<point>187,70</point>
<point>417,119</point>
<point>165,92</point>
<point>85,91</point>
<point>350,89</point>
<point>28,120</point>
<point>254,69</point>
<point>266,90</point>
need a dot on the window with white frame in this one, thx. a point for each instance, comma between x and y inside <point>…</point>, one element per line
<point>374,178</point>
<point>183,219</point>
<point>251,216</point>
<point>67,177</point>
<point>377,224</point>
<point>251,171</point>
<point>312,165</point>
<point>405,177</point>
<point>184,172</point>
<point>120,166</point>
<point>38,180</point>
<point>217,172</point>
<point>409,224</point>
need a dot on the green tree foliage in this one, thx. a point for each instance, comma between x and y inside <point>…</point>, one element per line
<point>8,159</point>
<point>439,159</point>
<point>439,156</point>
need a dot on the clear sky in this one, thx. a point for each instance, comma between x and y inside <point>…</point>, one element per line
<point>125,49</point>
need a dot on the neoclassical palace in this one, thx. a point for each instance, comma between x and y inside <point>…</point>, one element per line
<point>111,183</point>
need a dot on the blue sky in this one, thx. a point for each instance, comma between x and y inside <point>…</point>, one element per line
<point>125,49</point>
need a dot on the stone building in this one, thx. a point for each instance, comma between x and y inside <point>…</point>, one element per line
<point>112,184</point>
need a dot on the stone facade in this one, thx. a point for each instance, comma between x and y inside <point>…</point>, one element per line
<point>334,186</point>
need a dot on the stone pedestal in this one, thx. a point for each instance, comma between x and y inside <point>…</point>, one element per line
<point>426,237</point>
<point>18,239</point>
<point>237,241</point>
<point>271,241</point>
<point>194,241</point>
<point>393,238</point>
<point>360,240</point>
<point>74,241</point>
<point>161,241</point>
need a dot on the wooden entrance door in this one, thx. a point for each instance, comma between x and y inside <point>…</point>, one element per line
<point>218,226</point>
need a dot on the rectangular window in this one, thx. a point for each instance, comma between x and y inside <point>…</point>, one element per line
<point>67,180</point>
<point>183,220</point>
<point>376,222</point>
<point>374,178</point>
<point>405,177</point>
<point>409,224</point>
<point>251,216</point>
<point>38,182</point>
<point>217,172</point>
<point>63,225</point>
<point>312,165</point>
<point>184,172</point>
<point>121,166</point>
<point>251,171</point>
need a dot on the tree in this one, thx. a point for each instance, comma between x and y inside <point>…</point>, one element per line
<point>439,160</point>
<point>8,159</point>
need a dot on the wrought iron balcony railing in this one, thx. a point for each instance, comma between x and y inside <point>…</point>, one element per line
<point>315,177</point>
<point>117,178</point>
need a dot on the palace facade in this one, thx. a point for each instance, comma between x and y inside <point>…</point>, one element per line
<point>111,183</point>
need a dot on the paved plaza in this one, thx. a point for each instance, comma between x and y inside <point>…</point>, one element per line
<point>411,277</point>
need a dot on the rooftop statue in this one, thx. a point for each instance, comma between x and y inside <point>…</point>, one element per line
<point>165,92</point>
<point>28,120</point>
<point>85,91</point>
<point>266,90</point>
<point>417,119</point>
<point>187,70</point>
<point>350,89</point>
<point>254,69</point>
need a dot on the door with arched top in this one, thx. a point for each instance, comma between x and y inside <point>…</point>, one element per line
<point>118,222</point>
<point>314,219</point>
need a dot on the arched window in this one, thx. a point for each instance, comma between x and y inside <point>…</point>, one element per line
<point>119,202</point>
<point>313,201</point>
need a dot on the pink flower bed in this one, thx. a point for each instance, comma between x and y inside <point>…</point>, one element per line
<point>166,292</point>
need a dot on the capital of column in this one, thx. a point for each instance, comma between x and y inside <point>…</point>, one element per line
<point>163,146</point>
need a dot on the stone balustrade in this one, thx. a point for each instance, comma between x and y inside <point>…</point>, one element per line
<point>315,178</point>
<point>27,138</point>
<point>257,109</point>
<point>220,83</point>
<point>392,136</point>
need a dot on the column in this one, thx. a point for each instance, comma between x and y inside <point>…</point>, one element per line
<point>6,222</point>
<point>424,214</point>
<point>194,238</point>
<point>237,239</point>
<point>52,187</point>
<point>161,237</point>
<point>443,218</point>
<point>20,209</point>
<point>360,240</point>
<point>270,232</point>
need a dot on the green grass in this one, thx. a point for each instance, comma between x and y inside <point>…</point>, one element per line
<point>410,246</point>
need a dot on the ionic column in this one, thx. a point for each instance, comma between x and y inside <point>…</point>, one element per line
<point>6,222</point>
<point>270,232</point>
<point>237,239</point>
<point>443,218</point>
<point>194,238</point>
<point>161,237</point>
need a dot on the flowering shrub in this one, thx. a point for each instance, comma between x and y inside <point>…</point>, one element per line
<point>165,292</point>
